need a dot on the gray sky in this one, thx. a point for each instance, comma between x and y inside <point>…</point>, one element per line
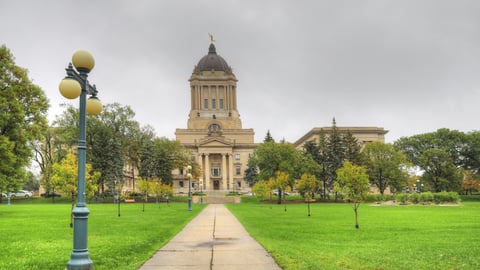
<point>408,66</point>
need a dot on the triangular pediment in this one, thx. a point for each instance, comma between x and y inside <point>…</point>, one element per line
<point>215,141</point>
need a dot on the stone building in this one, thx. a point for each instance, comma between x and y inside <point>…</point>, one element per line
<point>215,136</point>
<point>214,133</point>
<point>362,134</point>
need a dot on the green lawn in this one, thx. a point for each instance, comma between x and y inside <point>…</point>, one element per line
<point>38,236</point>
<point>390,237</point>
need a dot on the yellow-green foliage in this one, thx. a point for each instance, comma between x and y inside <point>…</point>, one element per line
<point>307,185</point>
<point>65,176</point>
<point>261,189</point>
<point>352,182</point>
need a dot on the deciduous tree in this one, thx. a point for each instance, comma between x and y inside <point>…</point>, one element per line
<point>352,182</point>
<point>308,185</point>
<point>22,120</point>
<point>65,178</point>
<point>385,166</point>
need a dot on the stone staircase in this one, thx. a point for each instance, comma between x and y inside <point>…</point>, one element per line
<point>217,197</point>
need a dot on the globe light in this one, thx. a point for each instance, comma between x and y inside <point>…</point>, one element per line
<point>94,106</point>
<point>70,88</point>
<point>83,61</point>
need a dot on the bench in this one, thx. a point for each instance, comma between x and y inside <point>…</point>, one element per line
<point>129,200</point>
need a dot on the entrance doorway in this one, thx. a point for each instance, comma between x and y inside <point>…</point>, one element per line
<point>216,185</point>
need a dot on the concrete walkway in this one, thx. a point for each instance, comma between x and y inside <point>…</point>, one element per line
<point>214,240</point>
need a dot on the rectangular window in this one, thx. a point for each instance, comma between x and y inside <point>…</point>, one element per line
<point>216,172</point>
<point>181,184</point>
<point>237,156</point>
<point>205,103</point>
<point>238,170</point>
<point>221,103</point>
<point>214,103</point>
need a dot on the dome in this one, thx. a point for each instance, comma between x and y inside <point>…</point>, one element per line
<point>212,61</point>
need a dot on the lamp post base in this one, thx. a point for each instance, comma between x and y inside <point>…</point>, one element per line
<point>80,261</point>
<point>189,203</point>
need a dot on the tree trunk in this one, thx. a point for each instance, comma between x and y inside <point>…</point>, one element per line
<point>355,209</point>
<point>308,207</point>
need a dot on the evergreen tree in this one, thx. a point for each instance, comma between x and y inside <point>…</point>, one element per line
<point>268,137</point>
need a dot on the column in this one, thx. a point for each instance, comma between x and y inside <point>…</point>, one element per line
<point>230,171</point>
<point>207,172</point>
<point>224,172</point>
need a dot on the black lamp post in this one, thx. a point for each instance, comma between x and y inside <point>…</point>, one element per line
<point>76,85</point>
<point>189,175</point>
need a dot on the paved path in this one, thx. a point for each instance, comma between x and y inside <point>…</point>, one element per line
<point>214,240</point>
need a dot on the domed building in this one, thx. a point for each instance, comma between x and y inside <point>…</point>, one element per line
<point>214,132</point>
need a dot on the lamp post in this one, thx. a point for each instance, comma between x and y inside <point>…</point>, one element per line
<point>201,191</point>
<point>189,175</point>
<point>419,186</point>
<point>117,192</point>
<point>76,85</point>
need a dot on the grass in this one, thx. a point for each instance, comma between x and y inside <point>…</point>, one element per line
<point>38,236</point>
<point>390,237</point>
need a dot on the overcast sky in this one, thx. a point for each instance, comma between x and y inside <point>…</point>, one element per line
<point>408,66</point>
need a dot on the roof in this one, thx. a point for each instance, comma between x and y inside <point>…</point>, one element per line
<point>212,61</point>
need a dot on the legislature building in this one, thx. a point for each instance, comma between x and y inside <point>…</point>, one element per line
<point>215,135</point>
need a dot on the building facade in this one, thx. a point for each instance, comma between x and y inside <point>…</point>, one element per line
<point>362,134</point>
<point>214,133</point>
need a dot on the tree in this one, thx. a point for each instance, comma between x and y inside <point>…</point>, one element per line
<point>251,174</point>
<point>144,186</point>
<point>280,182</point>
<point>271,158</point>
<point>65,178</point>
<point>106,155</point>
<point>352,183</point>
<point>158,157</point>
<point>334,157</point>
<point>470,184</point>
<point>49,150</point>
<point>472,153</point>
<point>385,166</point>
<point>308,185</point>
<point>440,172</point>
<point>268,137</point>
<point>262,189</point>
<point>351,148</point>
<point>441,155</point>
<point>32,182</point>
<point>22,120</point>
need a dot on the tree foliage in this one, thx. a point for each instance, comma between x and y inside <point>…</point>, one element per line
<point>22,120</point>
<point>385,166</point>
<point>332,149</point>
<point>262,189</point>
<point>441,155</point>
<point>158,157</point>
<point>352,182</point>
<point>65,177</point>
<point>271,157</point>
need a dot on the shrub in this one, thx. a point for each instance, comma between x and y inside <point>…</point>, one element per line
<point>414,197</point>
<point>426,197</point>
<point>446,197</point>
<point>470,198</point>
<point>402,198</point>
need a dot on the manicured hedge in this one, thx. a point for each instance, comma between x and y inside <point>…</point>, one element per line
<point>427,198</point>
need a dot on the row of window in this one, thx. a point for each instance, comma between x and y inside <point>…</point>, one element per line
<point>217,172</point>
<point>214,103</point>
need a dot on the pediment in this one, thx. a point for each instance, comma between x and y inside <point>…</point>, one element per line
<point>215,142</point>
